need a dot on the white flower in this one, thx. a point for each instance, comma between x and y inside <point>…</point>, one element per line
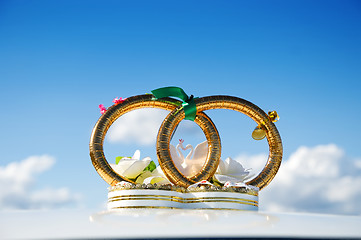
<point>134,168</point>
<point>231,171</point>
<point>131,167</point>
<point>157,176</point>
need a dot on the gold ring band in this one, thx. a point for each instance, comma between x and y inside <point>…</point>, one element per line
<point>100,129</point>
<point>220,102</point>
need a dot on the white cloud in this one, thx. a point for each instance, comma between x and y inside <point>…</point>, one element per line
<point>16,184</point>
<point>141,127</point>
<point>358,163</point>
<point>315,179</point>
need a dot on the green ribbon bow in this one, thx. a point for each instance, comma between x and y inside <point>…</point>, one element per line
<point>189,106</point>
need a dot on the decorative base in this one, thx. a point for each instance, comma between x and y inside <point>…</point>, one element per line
<point>180,198</point>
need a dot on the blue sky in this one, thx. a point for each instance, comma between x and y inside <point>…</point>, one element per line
<point>60,59</point>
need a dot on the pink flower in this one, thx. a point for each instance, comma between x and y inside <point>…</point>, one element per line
<point>118,100</point>
<point>102,109</point>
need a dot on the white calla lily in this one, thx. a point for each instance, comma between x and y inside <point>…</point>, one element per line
<point>136,168</point>
<point>158,177</point>
<point>143,176</point>
<point>131,167</point>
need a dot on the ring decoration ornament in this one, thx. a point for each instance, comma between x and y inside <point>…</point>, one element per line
<point>207,187</point>
<point>147,101</point>
<point>222,102</point>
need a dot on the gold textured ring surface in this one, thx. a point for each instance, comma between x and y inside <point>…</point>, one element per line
<point>100,129</point>
<point>221,102</point>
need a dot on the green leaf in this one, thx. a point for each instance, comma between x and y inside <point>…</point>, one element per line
<point>117,159</point>
<point>150,167</point>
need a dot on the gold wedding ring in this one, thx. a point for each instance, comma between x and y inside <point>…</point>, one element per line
<point>100,129</point>
<point>219,102</point>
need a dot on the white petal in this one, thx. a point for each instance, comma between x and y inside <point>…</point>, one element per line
<point>241,176</point>
<point>136,168</point>
<point>224,178</point>
<point>147,159</point>
<point>233,167</point>
<point>157,180</point>
<point>143,176</point>
<point>124,164</point>
<point>117,169</point>
<point>158,172</point>
<point>221,167</point>
<point>136,155</point>
<point>249,176</point>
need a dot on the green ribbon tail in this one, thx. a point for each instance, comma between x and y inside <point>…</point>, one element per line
<point>190,110</point>
<point>170,92</point>
<point>189,106</point>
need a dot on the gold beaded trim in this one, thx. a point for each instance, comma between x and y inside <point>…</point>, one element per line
<point>204,188</point>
